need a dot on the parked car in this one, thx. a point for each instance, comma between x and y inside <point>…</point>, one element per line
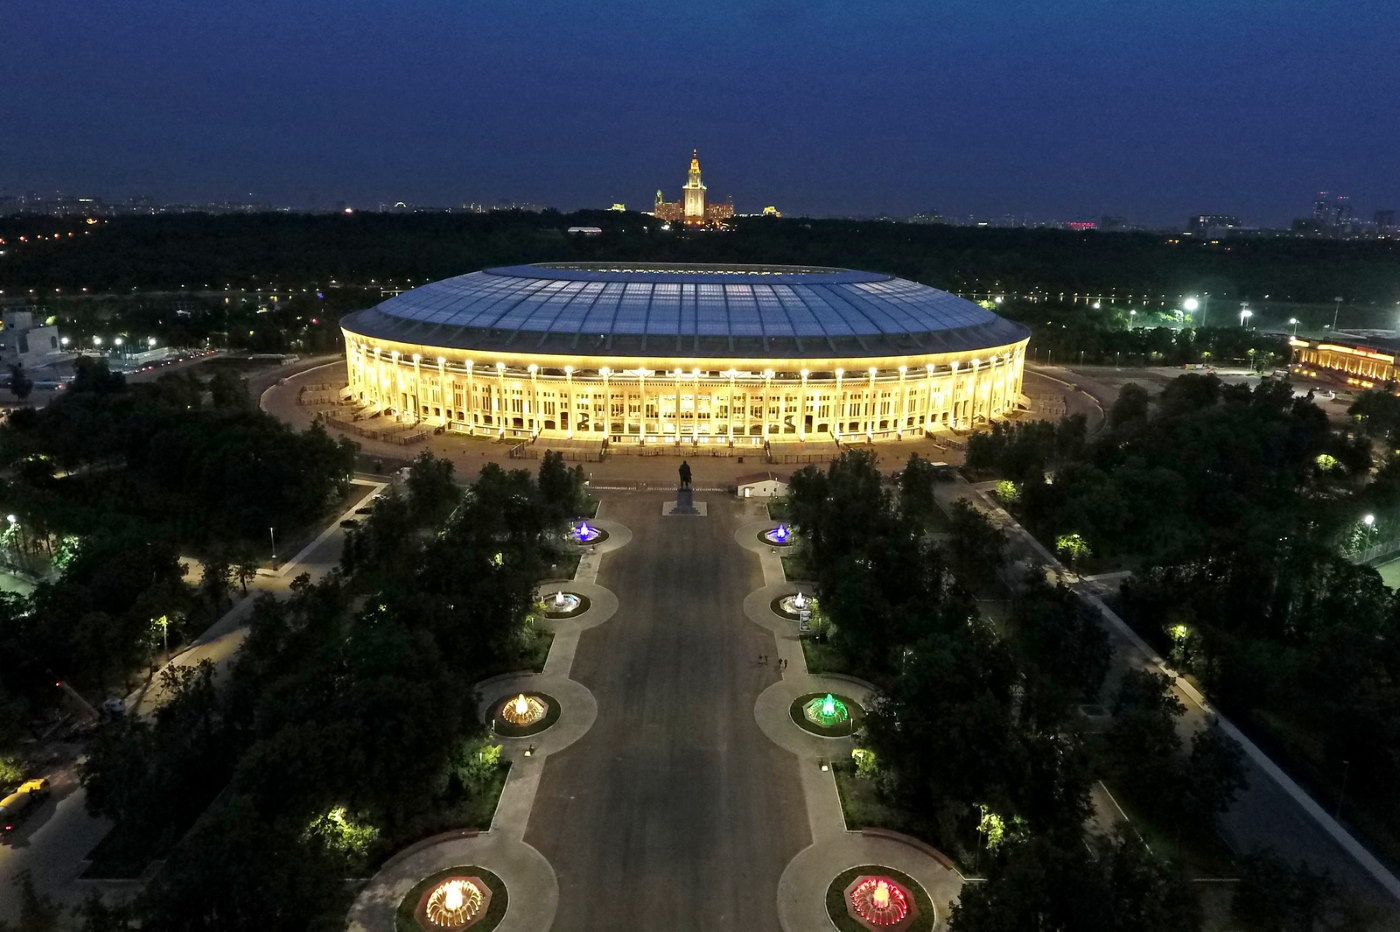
<point>20,803</point>
<point>349,523</point>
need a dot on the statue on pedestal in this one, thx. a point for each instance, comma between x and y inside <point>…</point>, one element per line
<point>685,474</point>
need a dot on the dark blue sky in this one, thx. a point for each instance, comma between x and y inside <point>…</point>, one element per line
<point>1068,109</point>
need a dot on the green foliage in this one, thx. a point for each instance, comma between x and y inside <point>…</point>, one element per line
<point>916,498</point>
<point>37,912</point>
<point>978,548</point>
<point>432,492</point>
<point>1039,884</point>
<point>1274,895</point>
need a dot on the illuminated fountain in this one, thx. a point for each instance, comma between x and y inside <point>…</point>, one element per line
<point>562,603</point>
<point>780,536</point>
<point>523,710</point>
<point>794,604</point>
<point>584,533</point>
<point>456,903</point>
<point>879,903</point>
<point>828,711</point>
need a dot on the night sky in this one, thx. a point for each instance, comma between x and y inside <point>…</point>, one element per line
<point>1058,110</point>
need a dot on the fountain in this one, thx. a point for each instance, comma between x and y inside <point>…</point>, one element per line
<point>562,603</point>
<point>523,710</point>
<point>780,536</point>
<point>584,533</point>
<point>456,903</point>
<point>879,902</point>
<point>828,712</point>
<point>794,605</point>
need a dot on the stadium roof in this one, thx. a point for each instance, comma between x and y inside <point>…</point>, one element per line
<point>642,309</point>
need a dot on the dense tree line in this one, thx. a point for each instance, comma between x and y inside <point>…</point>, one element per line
<point>193,250</point>
<point>104,489</point>
<point>1242,513</point>
<point>343,732</point>
<point>976,735</point>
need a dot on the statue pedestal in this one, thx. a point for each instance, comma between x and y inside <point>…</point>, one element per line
<point>684,504</point>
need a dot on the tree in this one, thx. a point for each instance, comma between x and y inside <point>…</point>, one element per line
<point>1142,740</point>
<point>1214,773</point>
<point>245,568</point>
<point>227,390</point>
<point>916,498</point>
<point>37,912</point>
<point>1130,406</point>
<point>979,546</point>
<point>1274,895</point>
<point>20,384</point>
<point>561,488</point>
<point>214,580</point>
<point>1039,884</point>
<point>432,493</point>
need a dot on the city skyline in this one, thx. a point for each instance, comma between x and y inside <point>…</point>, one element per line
<point>1061,113</point>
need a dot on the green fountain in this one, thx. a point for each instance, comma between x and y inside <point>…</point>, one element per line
<point>828,712</point>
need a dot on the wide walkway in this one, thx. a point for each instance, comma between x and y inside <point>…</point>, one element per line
<point>675,812</point>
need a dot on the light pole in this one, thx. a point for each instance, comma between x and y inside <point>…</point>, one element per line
<point>272,532</point>
<point>1337,311</point>
<point>1131,316</point>
<point>1294,322</point>
<point>1245,315</point>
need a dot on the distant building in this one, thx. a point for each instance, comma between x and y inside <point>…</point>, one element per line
<point>618,207</point>
<point>1332,212</point>
<point>762,485</point>
<point>23,343</point>
<point>692,209</point>
<point>1384,220</point>
<point>1210,223</point>
<point>771,211</point>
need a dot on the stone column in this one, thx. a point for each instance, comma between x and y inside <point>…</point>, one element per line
<point>569,391</point>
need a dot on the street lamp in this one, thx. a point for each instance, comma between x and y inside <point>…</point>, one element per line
<point>1245,315</point>
<point>1337,311</point>
<point>1131,315</point>
<point>272,532</point>
<point>1294,322</point>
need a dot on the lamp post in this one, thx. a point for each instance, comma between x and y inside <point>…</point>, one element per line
<point>272,532</point>
<point>1336,311</point>
<point>1245,315</point>
<point>1131,316</point>
<point>1294,322</point>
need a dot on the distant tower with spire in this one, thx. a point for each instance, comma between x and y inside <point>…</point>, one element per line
<point>694,193</point>
<point>692,209</point>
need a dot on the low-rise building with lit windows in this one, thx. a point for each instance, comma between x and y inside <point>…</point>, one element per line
<point>740,355</point>
<point>1368,363</point>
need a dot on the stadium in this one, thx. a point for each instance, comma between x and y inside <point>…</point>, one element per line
<point>652,354</point>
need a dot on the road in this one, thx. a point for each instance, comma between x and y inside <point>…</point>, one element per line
<point>54,842</point>
<point>675,811</point>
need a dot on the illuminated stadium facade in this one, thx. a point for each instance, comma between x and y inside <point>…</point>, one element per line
<point>706,354</point>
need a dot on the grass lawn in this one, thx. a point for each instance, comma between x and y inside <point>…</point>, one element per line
<point>531,658</point>
<point>821,657</point>
<point>836,898</point>
<point>405,921</point>
<point>795,566</point>
<point>563,566</point>
<point>442,815</point>
<point>861,803</point>
<point>1202,853</point>
<point>589,508</point>
<point>778,510</point>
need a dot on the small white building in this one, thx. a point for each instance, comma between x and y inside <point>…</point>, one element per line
<point>762,485</point>
<point>24,343</point>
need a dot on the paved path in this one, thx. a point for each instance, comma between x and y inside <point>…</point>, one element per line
<point>675,797</point>
<point>835,847</point>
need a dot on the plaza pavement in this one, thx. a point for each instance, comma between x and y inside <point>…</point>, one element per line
<point>679,795</point>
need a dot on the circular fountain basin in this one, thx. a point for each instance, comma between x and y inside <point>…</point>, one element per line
<point>780,536</point>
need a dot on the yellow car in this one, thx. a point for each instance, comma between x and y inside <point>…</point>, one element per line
<point>13,807</point>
